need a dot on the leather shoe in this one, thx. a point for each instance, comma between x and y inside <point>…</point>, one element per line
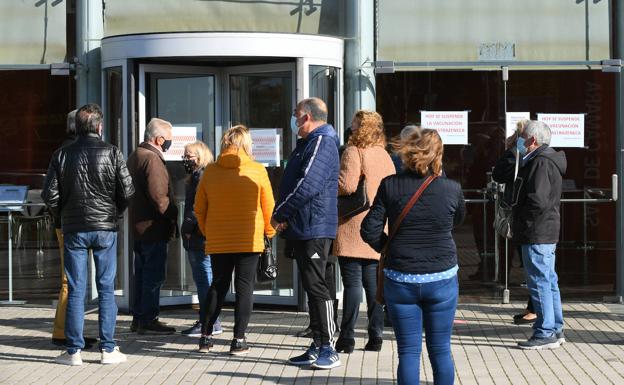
<point>374,344</point>
<point>519,319</point>
<point>345,345</point>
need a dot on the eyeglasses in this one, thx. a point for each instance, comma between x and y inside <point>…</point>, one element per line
<point>189,156</point>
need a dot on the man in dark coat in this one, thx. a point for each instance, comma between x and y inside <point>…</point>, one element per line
<point>153,215</point>
<point>536,223</point>
<point>88,186</point>
<point>58,333</point>
<point>307,215</point>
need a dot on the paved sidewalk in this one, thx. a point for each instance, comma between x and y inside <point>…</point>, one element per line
<point>484,349</point>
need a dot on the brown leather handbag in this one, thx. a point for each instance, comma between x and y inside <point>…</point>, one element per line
<point>379,297</point>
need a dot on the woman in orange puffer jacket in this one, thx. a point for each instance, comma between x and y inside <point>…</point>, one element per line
<point>233,206</point>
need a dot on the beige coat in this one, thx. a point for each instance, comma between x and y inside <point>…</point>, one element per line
<point>376,166</point>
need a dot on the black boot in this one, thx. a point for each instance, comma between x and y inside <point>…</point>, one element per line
<point>345,345</point>
<point>374,344</point>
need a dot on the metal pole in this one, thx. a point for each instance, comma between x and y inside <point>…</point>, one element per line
<point>10,218</point>
<point>10,248</point>
<point>89,33</point>
<point>618,53</point>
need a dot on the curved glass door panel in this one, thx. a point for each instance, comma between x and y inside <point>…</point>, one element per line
<point>261,97</point>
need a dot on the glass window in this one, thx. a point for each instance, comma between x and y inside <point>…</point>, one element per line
<point>586,251</point>
<point>264,100</point>
<point>183,100</point>
<point>113,83</point>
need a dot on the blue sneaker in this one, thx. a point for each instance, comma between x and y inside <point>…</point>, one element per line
<point>306,358</point>
<point>327,358</point>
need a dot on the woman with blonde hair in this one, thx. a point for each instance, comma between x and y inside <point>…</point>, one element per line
<point>233,205</point>
<point>420,264</point>
<point>364,156</point>
<point>195,159</point>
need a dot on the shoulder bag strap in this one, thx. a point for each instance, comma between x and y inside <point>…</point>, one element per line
<point>517,164</point>
<point>408,207</point>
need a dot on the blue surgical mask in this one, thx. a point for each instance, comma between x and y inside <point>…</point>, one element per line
<point>520,146</point>
<point>293,125</point>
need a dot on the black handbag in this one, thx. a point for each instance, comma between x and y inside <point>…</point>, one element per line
<point>267,265</point>
<point>353,204</point>
<point>503,215</point>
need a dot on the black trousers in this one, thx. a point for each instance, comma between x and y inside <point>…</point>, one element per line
<point>244,267</point>
<point>311,256</point>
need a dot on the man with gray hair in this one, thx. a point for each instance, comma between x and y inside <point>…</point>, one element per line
<point>153,215</point>
<point>536,222</point>
<point>87,187</point>
<point>58,332</point>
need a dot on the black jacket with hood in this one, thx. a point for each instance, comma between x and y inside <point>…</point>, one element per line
<point>536,195</point>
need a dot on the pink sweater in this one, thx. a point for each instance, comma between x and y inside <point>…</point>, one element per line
<point>376,166</point>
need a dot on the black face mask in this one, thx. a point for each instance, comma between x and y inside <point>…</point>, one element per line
<point>165,146</point>
<point>189,165</point>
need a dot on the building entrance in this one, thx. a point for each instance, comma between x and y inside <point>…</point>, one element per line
<point>203,83</point>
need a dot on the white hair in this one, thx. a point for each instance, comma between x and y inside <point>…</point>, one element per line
<point>155,128</point>
<point>538,130</point>
<point>408,130</point>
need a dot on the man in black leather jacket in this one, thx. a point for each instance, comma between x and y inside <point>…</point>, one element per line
<point>88,186</point>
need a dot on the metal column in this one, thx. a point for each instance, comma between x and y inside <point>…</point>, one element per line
<point>89,34</point>
<point>617,7</point>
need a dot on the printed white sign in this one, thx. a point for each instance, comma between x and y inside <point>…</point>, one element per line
<point>512,118</point>
<point>567,130</point>
<point>266,145</point>
<point>451,125</point>
<point>182,135</point>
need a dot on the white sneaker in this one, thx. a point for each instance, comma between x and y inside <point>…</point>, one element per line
<point>69,359</point>
<point>114,357</point>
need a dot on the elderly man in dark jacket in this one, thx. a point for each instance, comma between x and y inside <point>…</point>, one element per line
<point>536,223</point>
<point>88,186</point>
<point>307,215</point>
<point>153,215</point>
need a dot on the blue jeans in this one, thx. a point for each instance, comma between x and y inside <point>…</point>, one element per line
<point>150,264</point>
<point>202,275</point>
<point>357,273</point>
<point>104,246</point>
<point>543,284</point>
<point>410,305</point>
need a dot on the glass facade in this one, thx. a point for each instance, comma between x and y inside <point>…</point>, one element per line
<point>33,111</point>
<point>586,252</point>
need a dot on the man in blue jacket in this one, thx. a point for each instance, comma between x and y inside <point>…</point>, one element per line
<point>307,215</point>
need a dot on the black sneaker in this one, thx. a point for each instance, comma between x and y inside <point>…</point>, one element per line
<point>205,344</point>
<point>193,331</point>
<point>155,327</point>
<point>539,343</point>
<point>238,348</point>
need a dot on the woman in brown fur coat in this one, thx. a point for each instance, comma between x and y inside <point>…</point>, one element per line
<point>366,155</point>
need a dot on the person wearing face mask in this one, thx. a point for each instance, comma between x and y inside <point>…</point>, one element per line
<point>536,222</point>
<point>153,215</point>
<point>306,214</point>
<point>195,159</point>
<point>506,166</point>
